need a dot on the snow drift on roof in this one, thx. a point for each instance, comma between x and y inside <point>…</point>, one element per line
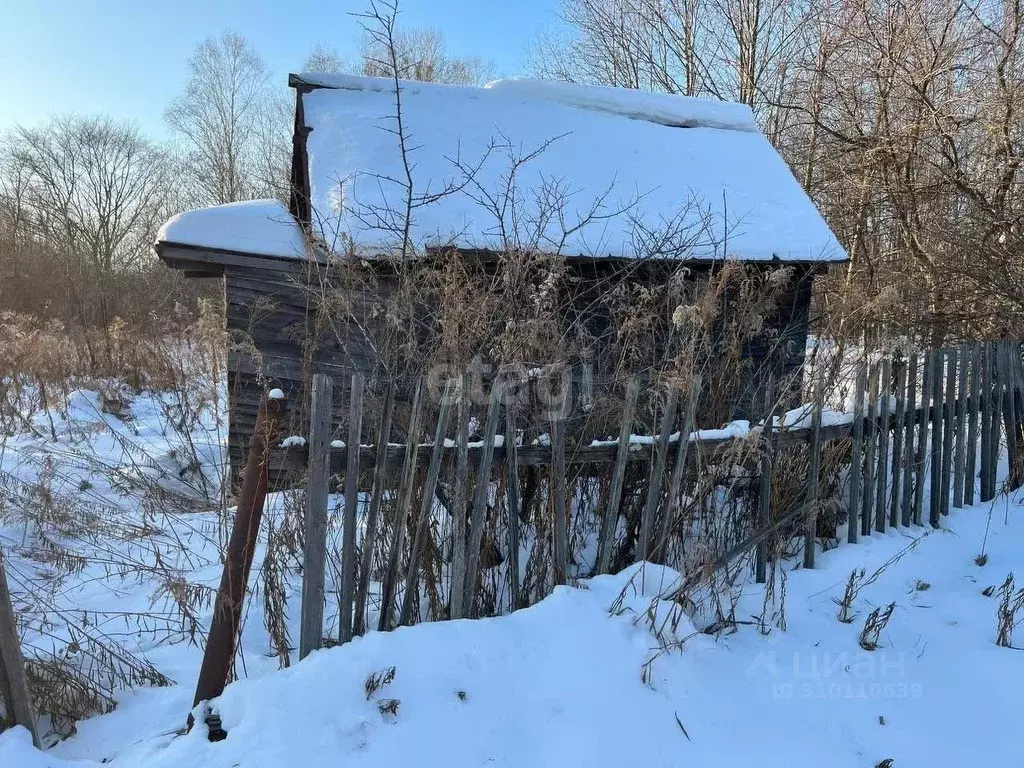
<point>583,171</point>
<point>262,227</point>
<point>663,108</point>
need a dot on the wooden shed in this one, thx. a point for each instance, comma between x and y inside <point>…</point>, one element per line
<point>608,180</point>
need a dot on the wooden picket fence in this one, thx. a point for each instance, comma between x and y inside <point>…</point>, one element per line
<point>919,427</point>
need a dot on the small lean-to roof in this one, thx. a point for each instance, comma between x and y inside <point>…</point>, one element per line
<point>259,227</point>
<point>580,170</point>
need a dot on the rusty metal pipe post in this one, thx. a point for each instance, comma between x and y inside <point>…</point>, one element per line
<point>227,614</point>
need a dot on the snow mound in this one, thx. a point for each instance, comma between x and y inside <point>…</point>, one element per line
<point>262,227</point>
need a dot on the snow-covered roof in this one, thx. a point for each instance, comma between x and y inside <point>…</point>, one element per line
<point>610,172</point>
<point>263,227</point>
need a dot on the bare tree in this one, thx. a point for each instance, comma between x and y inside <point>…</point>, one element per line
<point>229,121</point>
<point>91,186</point>
<point>420,53</point>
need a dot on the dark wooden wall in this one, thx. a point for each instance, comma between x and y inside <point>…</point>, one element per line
<point>270,324</point>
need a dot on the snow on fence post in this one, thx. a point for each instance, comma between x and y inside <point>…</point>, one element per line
<point>668,420</point>
<point>380,474</point>
<point>512,504</point>
<point>765,482</point>
<point>433,470</point>
<point>610,518</point>
<point>405,492</point>
<point>909,428</point>
<point>897,441</point>
<point>857,453</point>
<point>675,485</point>
<point>348,523</point>
<point>870,436</point>
<point>317,477</point>
<point>948,425</point>
<point>483,482</point>
<point>882,473</point>
<point>460,548</point>
<point>227,612</point>
<point>935,501</point>
<point>987,396</point>
<point>960,446</point>
<point>13,683</point>
<point>813,473</point>
<point>973,413</point>
<point>924,421</point>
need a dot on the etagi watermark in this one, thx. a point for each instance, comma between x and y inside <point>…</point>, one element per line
<point>861,675</point>
<point>552,389</point>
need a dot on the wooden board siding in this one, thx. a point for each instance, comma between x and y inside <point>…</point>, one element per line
<point>271,311</point>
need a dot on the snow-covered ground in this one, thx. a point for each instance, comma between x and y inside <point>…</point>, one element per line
<point>602,673</point>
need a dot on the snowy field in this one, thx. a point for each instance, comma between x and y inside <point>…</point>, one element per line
<point>606,673</point>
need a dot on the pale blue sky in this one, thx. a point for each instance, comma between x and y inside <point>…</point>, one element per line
<point>127,57</point>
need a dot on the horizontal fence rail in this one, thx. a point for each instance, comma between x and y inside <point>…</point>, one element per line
<point>452,527</point>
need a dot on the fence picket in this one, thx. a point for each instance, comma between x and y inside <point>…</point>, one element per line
<point>483,481</point>
<point>311,623</point>
<point>961,405</point>
<point>405,492</point>
<point>348,525</point>
<point>1011,418</point>
<point>14,690</point>
<point>987,392</point>
<point>857,453</point>
<point>373,513</point>
<point>974,409</point>
<point>870,437</point>
<point>512,505</point>
<point>657,471</point>
<point>610,519</point>
<point>765,480</point>
<point>948,425</point>
<point>924,421</point>
<point>813,473</point>
<point>675,484</point>
<point>460,546</point>
<point>560,520</point>
<point>882,471</point>
<point>900,416</point>
<point>430,485</point>
<point>938,392</point>
<point>909,429</point>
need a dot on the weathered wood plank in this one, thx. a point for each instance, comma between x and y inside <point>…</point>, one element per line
<point>460,543</point>
<point>657,472</point>
<point>348,524</point>
<point>882,473</point>
<point>948,425</point>
<point>924,421</point>
<point>973,418</point>
<point>315,552</point>
<point>560,519</point>
<point>813,475</point>
<point>959,460</point>
<point>857,454</point>
<point>412,574</point>
<point>483,482</point>
<point>675,486</point>
<point>512,506</point>
<point>405,493</point>
<point>15,682</point>
<point>610,518</point>
<point>938,408</point>
<point>987,386</point>
<point>870,439</point>
<point>909,428</point>
<point>764,497</point>
<point>897,442</point>
<point>377,491</point>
